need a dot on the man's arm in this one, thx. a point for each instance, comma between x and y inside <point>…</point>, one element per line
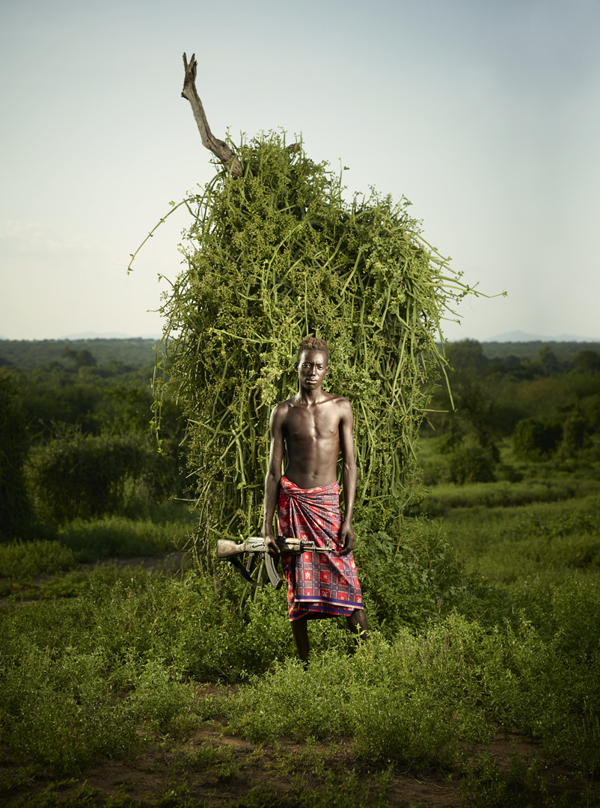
<point>349,475</point>
<point>273,477</point>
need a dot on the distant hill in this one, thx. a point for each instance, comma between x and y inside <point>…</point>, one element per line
<point>529,350</point>
<point>135,351</point>
<point>521,336</point>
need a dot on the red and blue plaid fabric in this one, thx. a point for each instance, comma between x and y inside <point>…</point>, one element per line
<point>318,584</point>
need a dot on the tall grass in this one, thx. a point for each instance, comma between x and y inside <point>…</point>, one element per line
<point>547,538</point>
<point>121,536</point>
<point>417,699</point>
<point>452,659</point>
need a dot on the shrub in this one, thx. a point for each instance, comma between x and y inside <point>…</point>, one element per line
<point>77,475</point>
<point>471,464</point>
<point>410,578</point>
<point>23,560</point>
<point>573,435</point>
<point>15,509</point>
<point>534,440</point>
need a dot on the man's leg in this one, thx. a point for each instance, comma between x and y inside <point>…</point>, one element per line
<point>357,623</point>
<point>300,632</point>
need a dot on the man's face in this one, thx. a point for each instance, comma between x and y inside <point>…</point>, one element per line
<point>312,369</point>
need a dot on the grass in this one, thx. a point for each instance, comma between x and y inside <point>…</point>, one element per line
<point>509,544</point>
<point>163,530</point>
<point>509,643</point>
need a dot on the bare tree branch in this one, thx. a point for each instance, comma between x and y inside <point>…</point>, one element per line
<point>218,147</point>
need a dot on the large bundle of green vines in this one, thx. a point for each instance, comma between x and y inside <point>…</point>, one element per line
<point>273,256</point>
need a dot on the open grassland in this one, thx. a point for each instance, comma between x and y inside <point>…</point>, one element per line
<point>553,539</point>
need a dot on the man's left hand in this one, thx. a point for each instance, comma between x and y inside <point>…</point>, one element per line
<point>347,539</point>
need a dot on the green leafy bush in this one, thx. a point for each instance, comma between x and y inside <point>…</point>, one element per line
<point>15,508</point>
<point>77,475</point>
<point>409,578</point>
<point>162,529</point>
<point>23,560</point>
<point>574,435</point>
<point>471,464</point>
<point>533,440</point>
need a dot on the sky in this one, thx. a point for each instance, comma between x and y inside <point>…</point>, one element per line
<point>484,115</point>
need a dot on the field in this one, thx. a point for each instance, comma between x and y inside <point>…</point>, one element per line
<point>132,686</point>
<point>129,679</point>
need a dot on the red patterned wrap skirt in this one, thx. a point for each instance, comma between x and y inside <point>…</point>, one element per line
<point>318,584</point>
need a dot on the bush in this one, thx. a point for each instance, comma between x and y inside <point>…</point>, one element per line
<point>15,509</point>
<point>77,475</point>
<point>471,464</point>
<point>573,435</point>
<point>534,440</point>
<point>410,578</point>
<point>274,256</point>
<point>19,560</point>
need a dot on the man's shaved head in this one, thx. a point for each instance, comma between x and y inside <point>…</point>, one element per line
<point>313,344</point>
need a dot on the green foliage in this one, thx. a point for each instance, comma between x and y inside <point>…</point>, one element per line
<point>409,578</point>
<point>81,358</point>
<point>471,464</point>
<point>20,560</point>
<point>154,530</point>
<point>273,256</point>
<point>61,712</point>
<point>15,509</point>
<point>486,785</point>
<point>545,538</point>
<point>29,354</point>
<point>587,361</point>
<point>502,494</point>
<point>415,699</point>
<point>77,475</point>
<point>533,439</point>
<point>566,352</point>
<point>573,435</point>
<point>77,677</point>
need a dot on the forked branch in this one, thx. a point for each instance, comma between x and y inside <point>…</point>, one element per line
<point>218,147</point>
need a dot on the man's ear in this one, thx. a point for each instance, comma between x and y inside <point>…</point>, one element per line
<point>296,366</point>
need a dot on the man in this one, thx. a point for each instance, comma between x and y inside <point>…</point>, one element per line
<point>313,426</point>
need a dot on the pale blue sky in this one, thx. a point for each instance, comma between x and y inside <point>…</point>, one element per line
<point>484,114</point>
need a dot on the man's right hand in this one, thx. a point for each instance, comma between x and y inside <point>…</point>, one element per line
<point>271,545</point>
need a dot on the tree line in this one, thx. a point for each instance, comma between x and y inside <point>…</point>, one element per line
<point>78,439</point>
<point>548,405</point>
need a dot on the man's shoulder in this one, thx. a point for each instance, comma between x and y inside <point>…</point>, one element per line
<point>341,402</point>
<point>281,410</point>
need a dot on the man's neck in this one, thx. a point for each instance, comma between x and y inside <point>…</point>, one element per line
<point>311,396</point>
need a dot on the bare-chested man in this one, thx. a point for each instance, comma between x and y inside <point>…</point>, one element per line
<point>313,426</point>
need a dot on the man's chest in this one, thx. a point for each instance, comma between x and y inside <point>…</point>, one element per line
<point>316,423</point>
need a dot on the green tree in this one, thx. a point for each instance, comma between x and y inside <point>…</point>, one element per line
<point>15,510</point>
<point>587,361</point>
<point>471,411</point>
<point>534,440</point>
<point>81,358</point>
<point>86,475</point>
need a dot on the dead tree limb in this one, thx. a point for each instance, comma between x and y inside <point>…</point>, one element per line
<point>218,147</point>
